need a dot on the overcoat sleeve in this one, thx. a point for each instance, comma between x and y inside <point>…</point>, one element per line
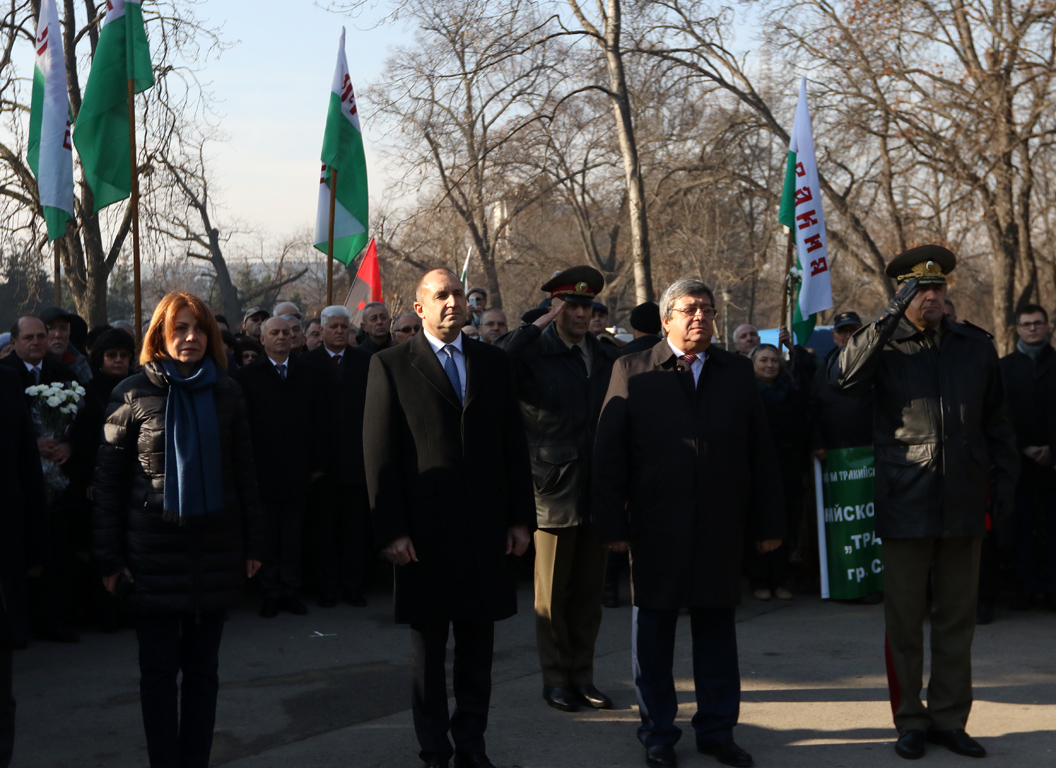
<point>384,431</point>
<point>521,507</point>
<point>851,371</point>
<point>767,507</point>
<point>245,473</point>
<point>31,477</point>
<point>997,429</point>
<point>113,475</point>
<point>611,485</point>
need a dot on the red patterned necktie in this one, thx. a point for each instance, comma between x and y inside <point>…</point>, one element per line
<point>690,359</point>
<point>336,360</point>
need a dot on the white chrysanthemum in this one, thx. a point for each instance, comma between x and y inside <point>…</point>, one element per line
<point>79,390</point>
<point>34,390</point>
<point>55,401</point>
<point>68,409</point>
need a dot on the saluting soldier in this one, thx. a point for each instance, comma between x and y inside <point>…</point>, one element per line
<point>562,376</point>
<point>940,430</point>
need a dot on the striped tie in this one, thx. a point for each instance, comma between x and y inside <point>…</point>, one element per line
<point>690,359</point>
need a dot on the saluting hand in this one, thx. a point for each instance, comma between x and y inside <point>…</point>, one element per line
<point>762,547</point>
<point>252,566</point>
<point>401,551</point>
<point>556,308</point>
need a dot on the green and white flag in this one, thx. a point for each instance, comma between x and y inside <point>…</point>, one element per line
<point>101,134</point>
<point>801,212</point>
<point>343,152</point>
<point>50,150</point>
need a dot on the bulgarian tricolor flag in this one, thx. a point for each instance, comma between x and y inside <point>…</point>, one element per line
<point>102,131</point>
<point>801,212</point>
<point>50,150</point>
<point>343,153</point>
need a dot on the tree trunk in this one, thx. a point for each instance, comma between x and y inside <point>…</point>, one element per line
<point>643,278</point>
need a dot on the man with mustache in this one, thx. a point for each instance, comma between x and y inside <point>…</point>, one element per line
<point>940,429</point>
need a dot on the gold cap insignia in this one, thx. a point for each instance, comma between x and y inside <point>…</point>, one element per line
<point>582,287</point>
<point>925,271</point>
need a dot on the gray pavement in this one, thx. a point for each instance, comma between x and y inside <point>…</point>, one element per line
<point>813,678</point>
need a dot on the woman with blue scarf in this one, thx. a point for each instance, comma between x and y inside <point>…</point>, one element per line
<point>176,520</point>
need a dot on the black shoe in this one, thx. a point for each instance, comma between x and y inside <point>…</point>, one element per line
<point>1021,602</point>
<point>661,756</point>
<point>327,601</point>
<point>610,598</point>
<point>354,599</point>
<point>984,614</point>
<point>1050,601</point>
<point>873,598</point>
<point>561,698</point>
<point>728,753</point>
<point>436,762</point>
<point>957,741</point>
<point>591,696</point>
<point>473,760</point>
<point>270,608</point>
<point>293,605</point>
<point>910,744</point>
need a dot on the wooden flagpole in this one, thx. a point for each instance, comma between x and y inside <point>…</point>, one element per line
<point>134,168</point>
<point>787,318</point>
<point>330,239</point>
<point>58,275</point>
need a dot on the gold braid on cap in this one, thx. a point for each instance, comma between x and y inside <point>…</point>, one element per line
<point>924,269</point>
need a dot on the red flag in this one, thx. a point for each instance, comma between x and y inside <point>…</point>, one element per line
<point>366,286</point>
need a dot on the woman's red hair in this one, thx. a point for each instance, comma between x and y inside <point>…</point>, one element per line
<point>155,341</point>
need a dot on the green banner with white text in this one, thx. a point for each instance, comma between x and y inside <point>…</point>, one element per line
<point>852,567</point>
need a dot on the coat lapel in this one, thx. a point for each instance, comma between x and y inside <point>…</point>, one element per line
<point>473,367</point>
<point>424,360</point>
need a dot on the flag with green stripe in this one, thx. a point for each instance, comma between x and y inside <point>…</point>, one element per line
<point>101,133</point>
<point>343,152</point>
<point>50,151</point>
<point>802,213</point>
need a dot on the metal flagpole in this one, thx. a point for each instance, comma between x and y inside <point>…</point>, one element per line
<point>330,240</point>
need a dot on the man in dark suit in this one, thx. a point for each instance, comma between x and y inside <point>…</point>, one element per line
<point>284,406</point>
<point>52,593</point>
<point>23,538</point>
<point>684,465</point>
<point>340,519</point>
<point>451,496</point>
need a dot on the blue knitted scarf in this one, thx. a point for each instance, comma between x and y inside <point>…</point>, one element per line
<point>193,484</point>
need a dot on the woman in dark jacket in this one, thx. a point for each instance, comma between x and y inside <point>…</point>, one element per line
<point>176,520</point>
<point>786,413</point>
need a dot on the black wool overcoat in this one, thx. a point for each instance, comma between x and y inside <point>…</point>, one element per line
<point>683,473</point>
<point>453,478</point>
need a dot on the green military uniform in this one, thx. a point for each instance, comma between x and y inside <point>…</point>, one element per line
<point>940,431</point>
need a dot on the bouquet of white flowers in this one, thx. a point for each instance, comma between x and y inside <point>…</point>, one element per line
<point>54,407</point>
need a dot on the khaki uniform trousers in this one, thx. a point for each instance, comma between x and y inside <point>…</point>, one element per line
<point>954,567</point>
<point>569,578</point>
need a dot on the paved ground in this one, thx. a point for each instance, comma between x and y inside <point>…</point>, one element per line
<point>813,678</point>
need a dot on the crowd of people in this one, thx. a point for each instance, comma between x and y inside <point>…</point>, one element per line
<point>579,446</point>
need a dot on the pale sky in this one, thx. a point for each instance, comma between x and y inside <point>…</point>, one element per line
<point>273,89</point>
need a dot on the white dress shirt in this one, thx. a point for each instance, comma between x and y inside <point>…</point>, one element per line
<point>697,365</point>
<point>441,355</point>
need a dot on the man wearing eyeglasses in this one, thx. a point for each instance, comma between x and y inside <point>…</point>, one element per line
<point>1029,374</point>
<point>405,327</point>
<point>562,374</point>
<point>684,466</point>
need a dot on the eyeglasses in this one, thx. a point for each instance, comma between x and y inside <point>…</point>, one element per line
<point>1034,324</point>
<point>692,310</point>
<point>409,329</point>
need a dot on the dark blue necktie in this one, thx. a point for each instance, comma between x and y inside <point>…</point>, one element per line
<point>452,370</point>
<point>282,370</point>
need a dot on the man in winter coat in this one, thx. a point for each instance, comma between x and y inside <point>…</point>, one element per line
<point>684,466</point>
<point>940,431</point>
